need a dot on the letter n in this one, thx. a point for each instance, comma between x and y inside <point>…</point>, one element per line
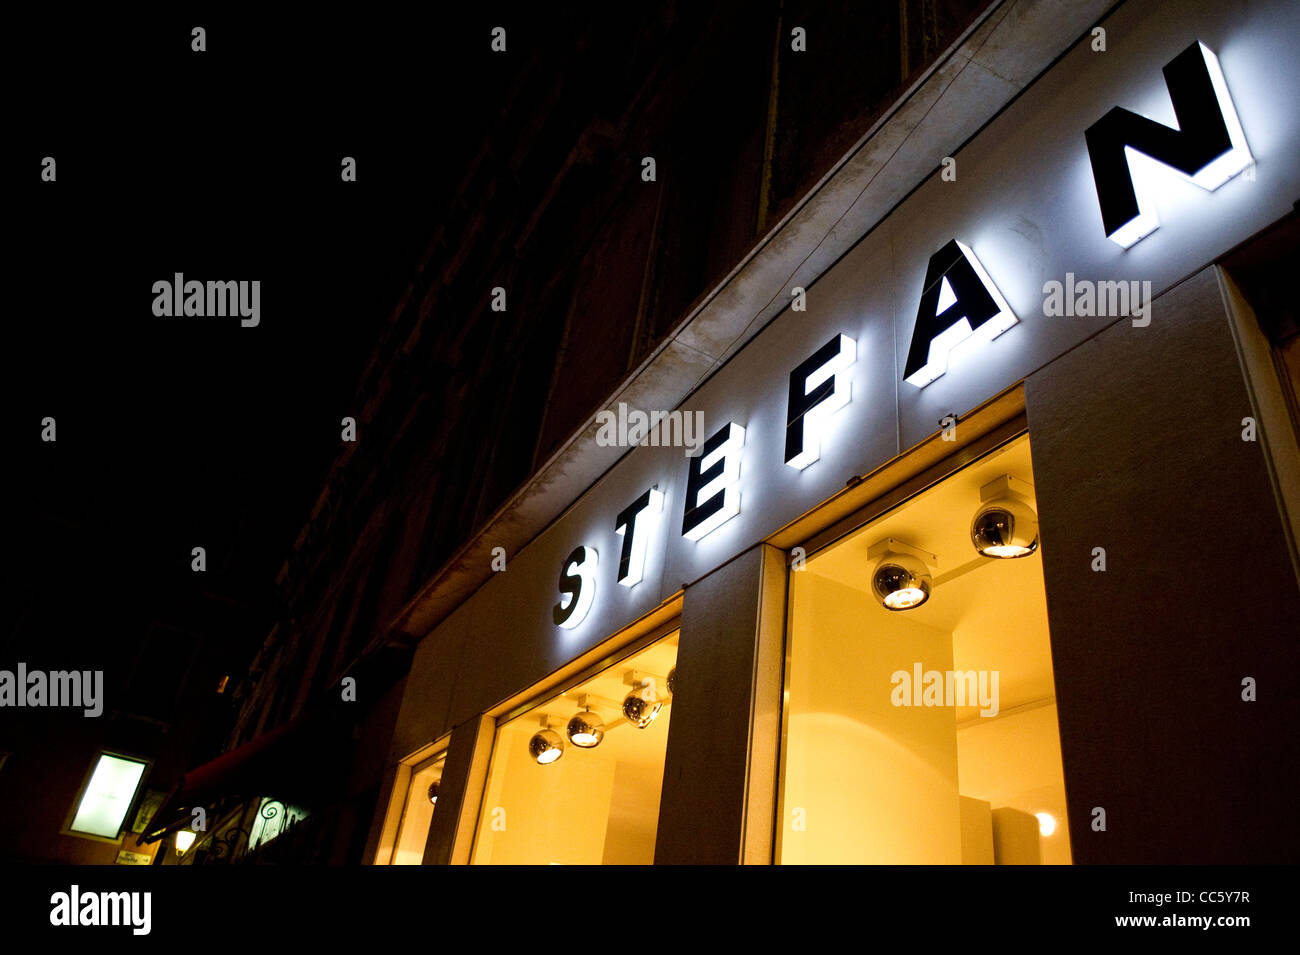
<point>1208,147</point>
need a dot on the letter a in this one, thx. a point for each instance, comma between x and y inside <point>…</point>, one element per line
<point>958,301</point>
<point>200,42</point>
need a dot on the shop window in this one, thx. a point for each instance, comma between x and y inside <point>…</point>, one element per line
<point>417,814</point>
<point>926,734</point>
<point>576,779</point>
<point>106,797</point>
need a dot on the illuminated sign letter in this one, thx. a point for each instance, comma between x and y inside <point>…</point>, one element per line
<point>712,497</point>
<point>577,588</point>
<point>631,557</point>
<point>1208,147</point>
<point>818,388</point>
<point>959,301</point>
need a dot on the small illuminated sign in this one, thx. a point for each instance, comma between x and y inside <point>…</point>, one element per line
<point>712,495</point>
<point>107,796</point>
<point>632,527</point>
<point>959,301</point>
<point>577,588</point>
<point>1208,147</point>
<point>819,387</point>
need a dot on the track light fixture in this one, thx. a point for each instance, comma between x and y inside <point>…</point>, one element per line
<point>1006,524</point>
<point>642,705</point>
<point>546,746</point>
<point>900,578</point>
<point>585,729</point>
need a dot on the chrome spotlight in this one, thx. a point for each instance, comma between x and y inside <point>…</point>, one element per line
<point>672,679</point>
<point>546,746</point>
<point>642,705</point>
<point>433,792</point>
<point>1005,525</point>
<point>901,576</point>
<point>585,729</point>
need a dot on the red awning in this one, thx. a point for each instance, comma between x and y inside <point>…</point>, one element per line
<point>293,761</point>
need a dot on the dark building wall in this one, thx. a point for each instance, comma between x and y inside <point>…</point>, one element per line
<point>459,403</point>
<point>1137,448</point>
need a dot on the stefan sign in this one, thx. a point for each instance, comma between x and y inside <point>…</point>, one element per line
<point>959,305</point>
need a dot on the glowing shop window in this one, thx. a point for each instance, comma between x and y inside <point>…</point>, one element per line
<point>107,797</point>
<point>926,735</point>
<point>576,780</point>
<point>417,816</point>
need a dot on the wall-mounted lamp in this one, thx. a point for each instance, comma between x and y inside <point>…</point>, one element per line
<point>585,729</point>
<point>546,746</point>
<point>642,705</point>
<point>900,578</point>
<point>1006,524</point>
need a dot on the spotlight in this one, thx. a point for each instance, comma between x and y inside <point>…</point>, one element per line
<point>585,729</point>
<point>672,679</point>
<point>642,705</point>
<point>433,792</point>
<point>546,745</point>
<point>1005,524</point>
<point>1046,823</point>
<point>184,839</point>
<point>901,578</point>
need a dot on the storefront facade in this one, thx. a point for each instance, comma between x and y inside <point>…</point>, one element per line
<point>1018,327</point>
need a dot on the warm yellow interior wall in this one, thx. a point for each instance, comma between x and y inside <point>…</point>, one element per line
<point>553,814</point>
<point>865,781</point>
<point>638,784</point>
<point>416,818</point>
<point>590,806</point>
<point>1014,761</point>
<point>976,832</point>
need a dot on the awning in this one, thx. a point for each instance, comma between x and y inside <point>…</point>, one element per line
<point>295,762</point>
<point>303,761</point>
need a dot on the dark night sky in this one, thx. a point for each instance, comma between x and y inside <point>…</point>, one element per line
<point>221,165</point>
